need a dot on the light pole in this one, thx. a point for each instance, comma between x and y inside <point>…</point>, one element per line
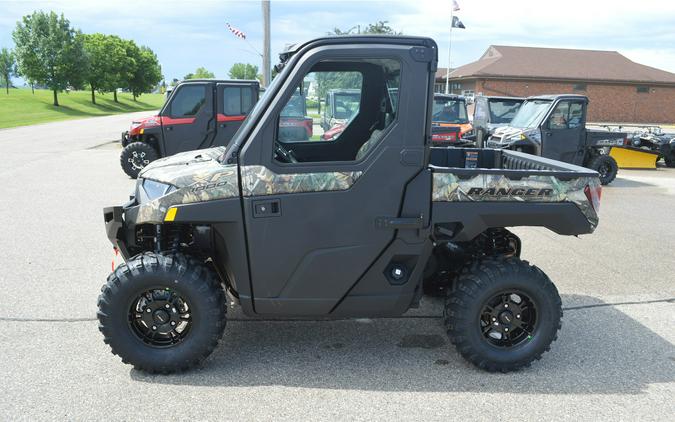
<point>447,71</point>
<point>266,42</point>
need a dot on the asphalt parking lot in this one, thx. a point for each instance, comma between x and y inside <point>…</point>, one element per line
<point>614,358</point>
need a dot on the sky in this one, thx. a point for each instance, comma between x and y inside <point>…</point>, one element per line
<point>187,34</point>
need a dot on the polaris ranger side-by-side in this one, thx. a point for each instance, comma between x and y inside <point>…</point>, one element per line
<point>351,227</point>
<point>554,126</point>
<point>199,113</point>
<point>490,113</point>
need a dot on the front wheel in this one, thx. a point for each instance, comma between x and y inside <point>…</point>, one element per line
<point>503,314</point>
<point>606,167</point>
<point>162,313</point>
<point>136,156</point>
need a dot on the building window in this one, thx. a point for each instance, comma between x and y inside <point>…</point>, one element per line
<point>643,90</point>
<point>579,87</point>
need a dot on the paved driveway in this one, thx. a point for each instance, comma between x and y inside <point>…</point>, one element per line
<point>614,358</point>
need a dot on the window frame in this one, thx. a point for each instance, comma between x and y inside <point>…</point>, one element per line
<point>304,71</point>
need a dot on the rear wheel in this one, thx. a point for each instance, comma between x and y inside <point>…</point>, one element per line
<point>669,159</point>
<point>162,313</point>
<point>136,156</point>
<point>503,314</point>
<point>606,166</point>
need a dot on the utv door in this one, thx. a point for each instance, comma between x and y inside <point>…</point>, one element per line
<point>235,101</point>
<point>564,131</point>
<point>321,216</point>
<point>188,121</point>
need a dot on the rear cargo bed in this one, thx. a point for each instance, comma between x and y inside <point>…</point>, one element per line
<point>475,189</point>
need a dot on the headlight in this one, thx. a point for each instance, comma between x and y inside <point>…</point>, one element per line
<point>153,190</point>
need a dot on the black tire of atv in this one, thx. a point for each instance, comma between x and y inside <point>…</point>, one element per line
<point>669,160</point>
<point>193,280</point>
<point>482,281</point>
<point>127,154</point>
<point>601,161</point>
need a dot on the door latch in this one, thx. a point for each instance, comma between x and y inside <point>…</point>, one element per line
<point>266,208</point>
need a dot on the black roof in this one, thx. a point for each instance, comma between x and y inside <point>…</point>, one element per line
<point>291,49</point>
<point>500,97</point>
<point>228,81</point>
<point>448,96</point>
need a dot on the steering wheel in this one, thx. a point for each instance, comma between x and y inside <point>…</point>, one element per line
<point>284,155</point>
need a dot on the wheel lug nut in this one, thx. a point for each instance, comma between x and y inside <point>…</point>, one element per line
<point>496,323</point>
<point>517,316</point>
<point>148,310</point>
<point>506,329</point>
<point>173,322</point>
<point>494,319</point>
<point>167,306</point>
<point>506,305</point>
<point>154,327</point>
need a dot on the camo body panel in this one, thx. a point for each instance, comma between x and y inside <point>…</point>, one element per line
<point>259,180</point>
<point>221,183</point>
<point>210,181</point>
<point>447,187</point>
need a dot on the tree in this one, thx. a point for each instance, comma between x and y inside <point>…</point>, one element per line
<point>7,67</point>
<point>95,47</point>
<point>146,71</point>
<point>243,71</point>
<point>200,73</point>
<point>49,52</point>
<point>120,65</point>
<point>379,27</point>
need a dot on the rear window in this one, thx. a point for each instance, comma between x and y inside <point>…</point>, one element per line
<point>237,101</point>
<point>503,111</point>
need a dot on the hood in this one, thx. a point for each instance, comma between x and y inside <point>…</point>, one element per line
<point>144,123</point>
<point>195,176</point>
<point>185,168</point>
<point>507,131</point>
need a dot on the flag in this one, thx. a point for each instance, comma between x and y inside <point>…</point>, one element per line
<point>236,32</point>
<point>455,6</point>
<point>456,23</point>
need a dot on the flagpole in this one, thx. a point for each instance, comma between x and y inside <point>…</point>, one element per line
<point>447,72</point>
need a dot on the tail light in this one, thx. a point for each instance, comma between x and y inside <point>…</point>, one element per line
<point>593,194</point>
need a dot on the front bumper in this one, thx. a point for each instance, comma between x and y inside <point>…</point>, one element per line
<point>120,227</point>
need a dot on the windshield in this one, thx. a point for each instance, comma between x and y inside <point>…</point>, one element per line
<point>449,111</point>
<point>346,105</point>
<point>503,111</point>
<point>530,113</point>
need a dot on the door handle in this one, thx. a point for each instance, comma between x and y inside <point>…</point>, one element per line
<point>401,223</point>
<point>223,125</point>
<point>169,128</point>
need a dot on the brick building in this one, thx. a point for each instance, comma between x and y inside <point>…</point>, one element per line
<point>619,89</point>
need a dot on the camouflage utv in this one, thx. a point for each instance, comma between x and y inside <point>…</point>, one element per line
<point>357,226</point>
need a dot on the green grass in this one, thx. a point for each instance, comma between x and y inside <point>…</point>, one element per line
<point>22,108</point>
